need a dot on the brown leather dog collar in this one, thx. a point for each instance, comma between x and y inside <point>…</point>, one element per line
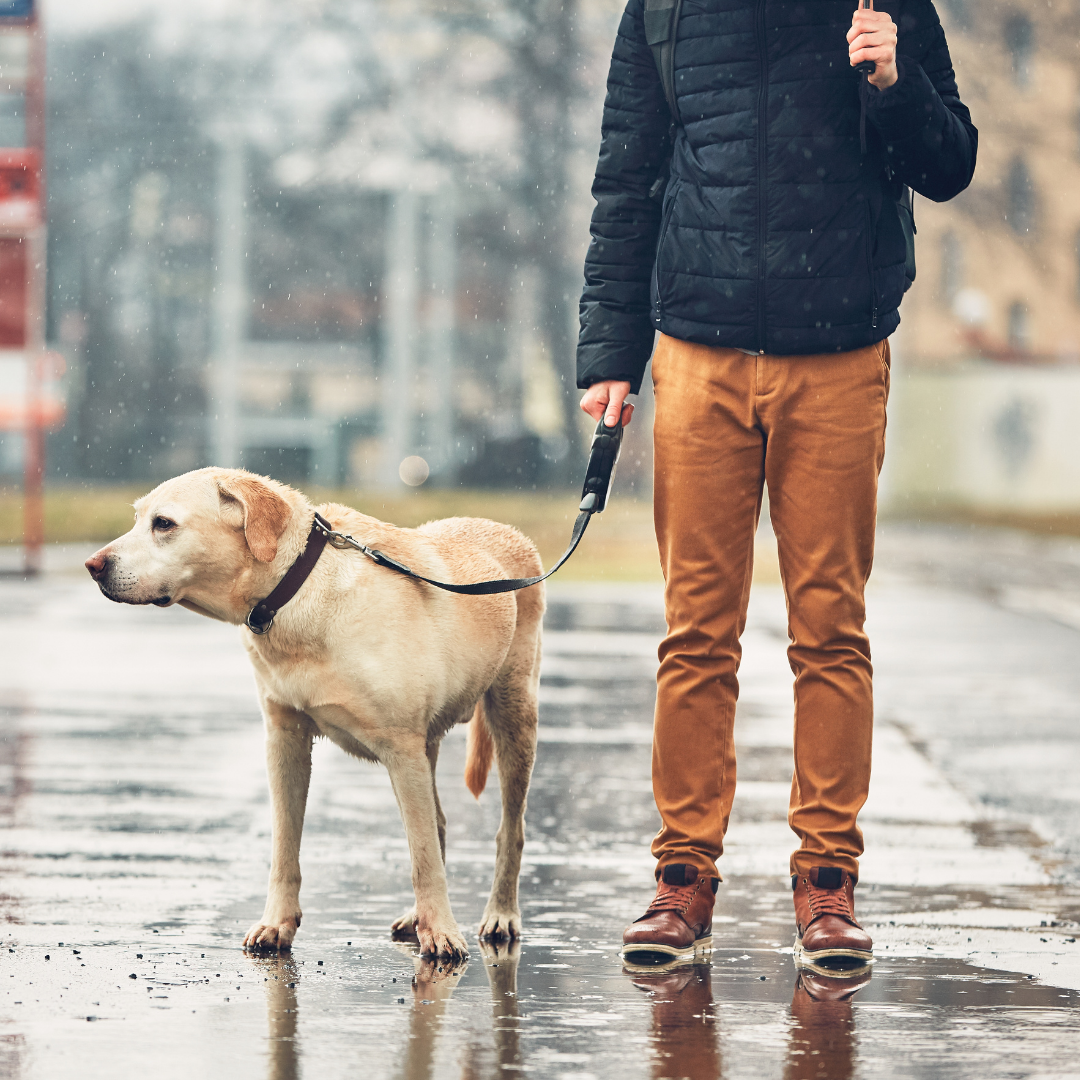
<point>261,616</point>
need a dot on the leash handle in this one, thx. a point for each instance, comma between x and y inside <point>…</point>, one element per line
<point>867,67</point>
<point>603,457</point>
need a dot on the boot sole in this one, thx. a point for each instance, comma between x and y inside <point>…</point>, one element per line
<point>805,958</point>
<point>667,953</point>
<point>659,964</point>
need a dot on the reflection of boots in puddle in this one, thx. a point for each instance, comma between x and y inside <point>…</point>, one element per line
<point>501,964</point>
<point>281,978</point>
<point>432,986</point>
<point>822,1041</point>
<point>684,1034</point>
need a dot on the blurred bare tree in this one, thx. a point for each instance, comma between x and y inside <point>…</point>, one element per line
<point>334,100</point>
<point>541,42</point>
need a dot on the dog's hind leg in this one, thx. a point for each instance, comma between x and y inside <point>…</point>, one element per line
<point>289,735</point>
<point>406,925</point>
<point>410,771</point>
<point>511,712</point>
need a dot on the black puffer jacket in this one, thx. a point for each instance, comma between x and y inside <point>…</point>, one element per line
<point>778,230</point>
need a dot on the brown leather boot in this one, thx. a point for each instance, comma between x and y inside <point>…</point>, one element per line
<point>679,920</point>
<point>825,919</point>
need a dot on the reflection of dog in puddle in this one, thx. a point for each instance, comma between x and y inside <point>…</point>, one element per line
<point>377,662</point>
<point>434,983</point>
<point>281,1015</point>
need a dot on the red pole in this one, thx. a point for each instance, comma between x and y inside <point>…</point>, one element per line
<point>34,473</point>
<point>34,439</point>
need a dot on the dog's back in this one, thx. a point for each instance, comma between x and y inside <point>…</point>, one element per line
<point>514,551</point>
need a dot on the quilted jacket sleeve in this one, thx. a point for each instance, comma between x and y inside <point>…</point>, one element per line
<point>929,138</point>
<point>616,335</point>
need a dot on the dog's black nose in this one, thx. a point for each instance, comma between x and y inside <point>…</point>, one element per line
<point>98,565</point>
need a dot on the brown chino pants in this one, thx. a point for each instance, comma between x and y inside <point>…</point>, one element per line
<point>813,429</point>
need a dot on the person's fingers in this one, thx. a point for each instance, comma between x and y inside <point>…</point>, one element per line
<point>595,401</point>
<point>865,21</point>
<point>627,414</point>
<point>606,400</point>
<point>883,30</point>
<point>878,53</point>
<point>870,41</point>
<point>613,412</point>
<point>593,407</point>
<point>858,28</point>
<point>862,46</point>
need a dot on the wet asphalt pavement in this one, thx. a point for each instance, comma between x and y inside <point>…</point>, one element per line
<point>136,841</point>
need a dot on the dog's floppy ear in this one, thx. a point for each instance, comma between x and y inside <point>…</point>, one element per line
<point>266,513</point>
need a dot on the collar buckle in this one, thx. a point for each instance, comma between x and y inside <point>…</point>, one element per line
<point>259,627</point>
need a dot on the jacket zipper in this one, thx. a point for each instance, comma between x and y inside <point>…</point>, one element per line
<point>763,108</point>
<point>870,263</point>
<point>664,224</point>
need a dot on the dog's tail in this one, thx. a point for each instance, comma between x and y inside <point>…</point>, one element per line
<point>478,752</point>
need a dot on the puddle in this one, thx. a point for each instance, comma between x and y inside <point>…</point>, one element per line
<point>556,1008</point>
<point>135,856</point>
<point>561,1004</point>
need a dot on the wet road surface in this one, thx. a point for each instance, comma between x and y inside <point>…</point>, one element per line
<point>136,839</point>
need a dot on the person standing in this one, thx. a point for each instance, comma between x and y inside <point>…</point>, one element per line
<point>773,271</point>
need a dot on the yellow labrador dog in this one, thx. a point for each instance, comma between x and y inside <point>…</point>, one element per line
<point>378,662</point>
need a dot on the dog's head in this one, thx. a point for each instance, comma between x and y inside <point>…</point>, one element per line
<point>204,539</point>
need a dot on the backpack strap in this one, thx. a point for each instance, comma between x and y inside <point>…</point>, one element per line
<point>661,30</point>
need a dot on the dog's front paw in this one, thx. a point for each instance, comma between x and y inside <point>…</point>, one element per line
<point>500,925</point>
<point>405,927</point>
<point>441,939</point>
<point>268,936</point>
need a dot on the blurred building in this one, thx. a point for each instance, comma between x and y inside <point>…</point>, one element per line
<point>988,379</point>
<point>345,323</point>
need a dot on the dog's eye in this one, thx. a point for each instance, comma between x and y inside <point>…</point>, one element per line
<point>163,524</point>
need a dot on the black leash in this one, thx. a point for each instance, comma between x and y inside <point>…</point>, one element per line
<point>478,588</point>
<point>606,443</point>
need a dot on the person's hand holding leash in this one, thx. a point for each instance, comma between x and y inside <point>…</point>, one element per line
<point>872,38</point>
<point>606,399</point>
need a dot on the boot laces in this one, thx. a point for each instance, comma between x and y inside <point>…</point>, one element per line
<point>829,902</point>
<point>672,898</point>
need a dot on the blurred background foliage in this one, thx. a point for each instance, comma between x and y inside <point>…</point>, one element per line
<point>339,107</point>
<point>338,103</point>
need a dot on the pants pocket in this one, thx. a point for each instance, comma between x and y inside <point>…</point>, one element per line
<point>885,359</point>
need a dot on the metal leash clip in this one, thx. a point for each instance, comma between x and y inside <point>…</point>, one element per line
<point>606,444</point>
<point>343,541</point>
